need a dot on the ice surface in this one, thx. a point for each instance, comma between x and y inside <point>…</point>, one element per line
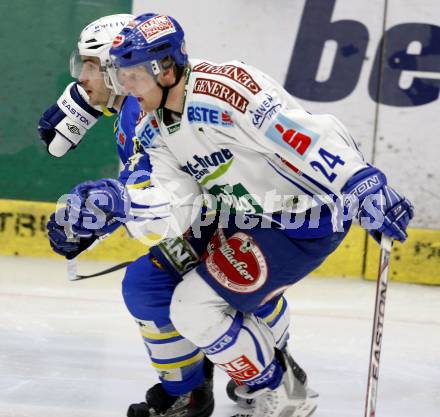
<point>70,349</point>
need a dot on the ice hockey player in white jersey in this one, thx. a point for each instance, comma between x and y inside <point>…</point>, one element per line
<point>185,377</point>
<point>289,181</point>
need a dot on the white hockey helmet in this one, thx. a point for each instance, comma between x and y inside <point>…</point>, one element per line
<point>96,40</point>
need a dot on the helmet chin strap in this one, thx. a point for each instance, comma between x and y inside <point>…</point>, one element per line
<point>111,100</point>
<point>166,90</point>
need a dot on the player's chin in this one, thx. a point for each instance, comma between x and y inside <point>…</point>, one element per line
<point>93,99</point>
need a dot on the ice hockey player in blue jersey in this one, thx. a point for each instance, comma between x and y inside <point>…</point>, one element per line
<point>243,138</point>
<point>62,127</point>
<point>179,363</point>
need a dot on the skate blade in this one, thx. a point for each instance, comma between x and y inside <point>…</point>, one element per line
<point>312,393</point>
<point>247,404</point>
<point>303,410</point>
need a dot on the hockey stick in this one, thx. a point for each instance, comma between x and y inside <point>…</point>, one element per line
<point>72,273</point>
<point>72,269</point>
<point>378,321</point>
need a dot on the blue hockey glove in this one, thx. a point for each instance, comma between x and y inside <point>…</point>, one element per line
<point>97,207</point>
<point>64,124</point>
<point>379,208</point>
<point>62,244</point>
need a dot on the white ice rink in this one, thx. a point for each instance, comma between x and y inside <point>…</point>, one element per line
<point>71,349</point>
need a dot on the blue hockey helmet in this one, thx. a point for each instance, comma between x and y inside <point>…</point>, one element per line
<point>148,40</point>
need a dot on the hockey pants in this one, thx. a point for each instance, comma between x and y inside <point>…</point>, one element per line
<point>147,290</point>
<point>244,270</point>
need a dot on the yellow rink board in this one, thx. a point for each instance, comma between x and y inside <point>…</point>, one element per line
<point>23,233</point>
<point>416,261</point>
<point>346,261</point>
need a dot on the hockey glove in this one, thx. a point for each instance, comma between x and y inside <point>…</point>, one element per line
<point>379,208</point>
<point>64,124</point>
<point>97,207</point>
<point>61,243</point>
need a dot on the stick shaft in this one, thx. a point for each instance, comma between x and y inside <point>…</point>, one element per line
<point>71,270</point>
<point>378,322</point>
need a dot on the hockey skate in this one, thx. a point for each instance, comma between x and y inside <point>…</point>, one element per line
<point>249,402</point>
<point>289,399</point>
<point>197,403</point>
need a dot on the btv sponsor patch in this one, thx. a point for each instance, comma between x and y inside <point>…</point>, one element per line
<point>206,113</point>
<point>240,369</point>
<point>156,27</point>
<point>268,107</point>
<point>236,197</point>
<point>292,136</point>
<point>221,91</point>
<point>238,264</point>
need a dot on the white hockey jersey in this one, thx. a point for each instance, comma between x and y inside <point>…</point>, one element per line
<point>243,138</point>
<point>163,199</point>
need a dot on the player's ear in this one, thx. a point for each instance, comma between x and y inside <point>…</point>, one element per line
<point>168,76</point>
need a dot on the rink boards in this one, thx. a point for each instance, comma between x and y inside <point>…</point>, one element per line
<point>375,65</point>
<point>23,233</point>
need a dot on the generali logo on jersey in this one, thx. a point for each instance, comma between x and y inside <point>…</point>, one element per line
<point>156,27</point>
<point>232,72</point>
<point>221,91</point>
